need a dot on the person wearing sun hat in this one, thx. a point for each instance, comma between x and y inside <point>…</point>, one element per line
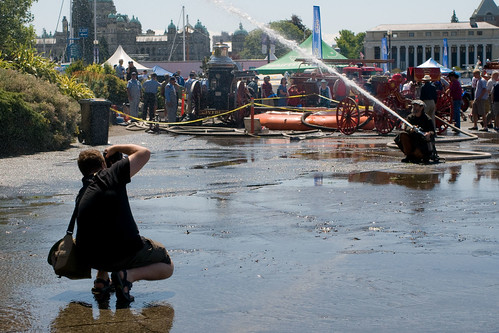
<point>429,97</point>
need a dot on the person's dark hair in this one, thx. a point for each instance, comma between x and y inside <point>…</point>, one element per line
<point>90,161</point>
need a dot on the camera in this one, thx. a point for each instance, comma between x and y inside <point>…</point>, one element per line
<point>111,159</point>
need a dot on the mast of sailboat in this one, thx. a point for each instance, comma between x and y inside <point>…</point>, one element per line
<point>183,24</point>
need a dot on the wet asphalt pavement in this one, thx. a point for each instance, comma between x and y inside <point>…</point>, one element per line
<point>269,235</point>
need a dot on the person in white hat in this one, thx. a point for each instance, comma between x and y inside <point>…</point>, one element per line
<point>324,94</point>
<point>429,97</point>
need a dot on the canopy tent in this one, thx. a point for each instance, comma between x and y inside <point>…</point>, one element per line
<point>287,62</point>
<point>160,71</point>
<point>430,63</point>
<point>121,54</point>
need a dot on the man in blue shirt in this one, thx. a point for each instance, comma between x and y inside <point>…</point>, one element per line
<point>171,100</point>
<point>150,101</point>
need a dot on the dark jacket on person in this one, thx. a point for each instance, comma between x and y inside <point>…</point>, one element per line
<point>428,92</point>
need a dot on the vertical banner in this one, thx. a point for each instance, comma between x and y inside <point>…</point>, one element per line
<point>384,54</point>
<point>445,58</point>
<point>316,34</point>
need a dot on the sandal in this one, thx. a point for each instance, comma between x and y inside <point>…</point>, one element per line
<point>120,284</point>
<point>106,289</point>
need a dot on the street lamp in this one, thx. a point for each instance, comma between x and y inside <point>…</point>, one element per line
<point>390,34</point>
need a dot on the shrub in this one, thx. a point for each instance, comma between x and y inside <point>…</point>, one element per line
<point>25,60</point>
<point>34,115</point>
<point>95,68</point>
<point>76,66</point>
<point>107,86</point>
<point>69,86</point>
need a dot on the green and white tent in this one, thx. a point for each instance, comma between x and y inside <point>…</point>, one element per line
<point>288,64</point>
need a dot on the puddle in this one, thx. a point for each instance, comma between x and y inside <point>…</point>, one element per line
<point>427,179</point>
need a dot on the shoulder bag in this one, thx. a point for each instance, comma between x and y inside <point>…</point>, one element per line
<point>63,256</point>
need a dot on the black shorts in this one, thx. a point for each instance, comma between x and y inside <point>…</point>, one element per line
<point>151,253</point>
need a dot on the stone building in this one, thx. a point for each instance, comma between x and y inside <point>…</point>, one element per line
<point>118,29</point>
<point>410,45</point>
<point>236,41</point>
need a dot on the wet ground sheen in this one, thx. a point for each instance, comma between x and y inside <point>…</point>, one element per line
<point>269,235</point>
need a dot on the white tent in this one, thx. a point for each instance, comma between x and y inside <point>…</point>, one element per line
<point>431,63</point>
<point>121,54</point>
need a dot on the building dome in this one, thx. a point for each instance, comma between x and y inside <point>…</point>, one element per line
<point>120,19</point>
<point>241,31</point>
<point>200,27</point>
<point>111,16</point>
<point>134,20</point>
<point>171,25</point>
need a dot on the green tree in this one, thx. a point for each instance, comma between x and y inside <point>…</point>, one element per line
<point>350,45</point>
<point>253,45</point>
<point>15,29</point>
<point>288,29</point>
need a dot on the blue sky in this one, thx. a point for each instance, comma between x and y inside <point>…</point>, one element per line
<point>356,15</point>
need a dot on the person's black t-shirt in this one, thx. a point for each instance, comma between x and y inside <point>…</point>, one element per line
<point>107,231</point>
<point>423,122</point>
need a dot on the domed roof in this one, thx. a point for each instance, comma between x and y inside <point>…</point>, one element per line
<point>241,31</point>
<point>199,26</point>
<point>134,20</point>
<point>111,16</point>
<point>171,25</point>
<point>120,19</point>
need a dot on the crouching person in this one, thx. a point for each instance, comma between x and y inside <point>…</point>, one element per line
<point>107,236</point>
<point>418,143</point>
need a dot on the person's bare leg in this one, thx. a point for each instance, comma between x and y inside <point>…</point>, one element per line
<point>102,275</point>
<point>157,271</point>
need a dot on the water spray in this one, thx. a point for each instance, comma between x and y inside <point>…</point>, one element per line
<point>293,45</point>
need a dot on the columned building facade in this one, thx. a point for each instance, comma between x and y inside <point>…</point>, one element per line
<point>409,45</point>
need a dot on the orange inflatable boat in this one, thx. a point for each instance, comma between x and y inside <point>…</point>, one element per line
<point>275,120</point>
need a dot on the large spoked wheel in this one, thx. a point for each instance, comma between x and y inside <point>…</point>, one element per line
<point>347,116</point>
<point>384,121</point>
<point>443,109</point>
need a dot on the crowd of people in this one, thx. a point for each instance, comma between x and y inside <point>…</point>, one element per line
<point>146,88</point>
<point>485,105</point>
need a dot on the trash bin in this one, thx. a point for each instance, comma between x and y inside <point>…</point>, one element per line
<point>94,127</point>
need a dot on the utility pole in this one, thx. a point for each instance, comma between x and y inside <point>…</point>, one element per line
<point>183,23</point>
<point>96,42</point>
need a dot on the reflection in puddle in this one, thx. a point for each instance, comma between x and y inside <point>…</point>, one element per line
<point>356,151</point>
<point>488,170</point>
<point>426,179</point>
<point>420,181</point>
<point>153,318</point>
<point>221,164</point>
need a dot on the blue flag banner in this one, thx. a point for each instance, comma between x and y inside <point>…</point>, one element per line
<point>445,58</point>
<point>384,54</point>
<point>316,34</point>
